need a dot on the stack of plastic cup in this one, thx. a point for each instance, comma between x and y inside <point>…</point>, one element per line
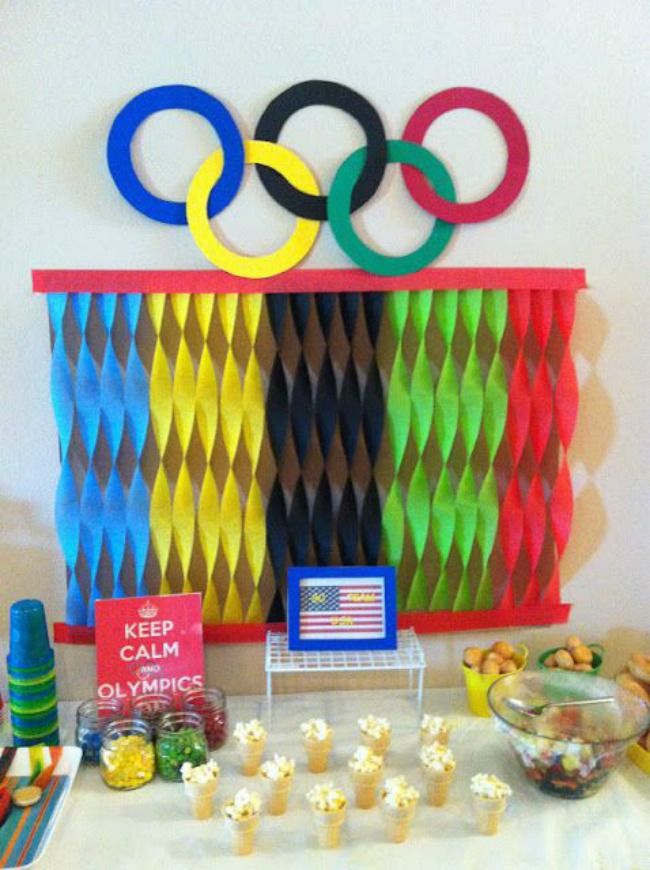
<point>32,678</point>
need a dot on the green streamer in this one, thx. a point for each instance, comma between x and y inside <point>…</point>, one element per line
<point>393,525</point>
<point>418,500</point>
<point>486,532</point>
<point>398,409</point>
<point>464,534</point>
<point>443,520</point>
<point>495,307</point>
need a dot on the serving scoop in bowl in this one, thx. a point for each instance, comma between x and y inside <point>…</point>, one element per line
<point>537,709</point>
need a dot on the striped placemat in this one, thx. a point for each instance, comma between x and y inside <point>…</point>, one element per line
<point>22,833</point>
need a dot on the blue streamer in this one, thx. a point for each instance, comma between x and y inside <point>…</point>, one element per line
<point>114,521</point>
<point>298,525</point>
<point>301,410</point>
<point>61,385</point>
<point>137,528</point>
<point>322,531</point>
<point>347,526</point>
<point>66,513</point>
<point>91,535</point>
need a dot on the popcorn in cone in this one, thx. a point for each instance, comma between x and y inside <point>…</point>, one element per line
<point>328,827</point>
<point>201,798</point>
<point>365,787</point>
<point>379,745</point>
<point>433,729</point>
<point>375,733</point>
<point>251,753</point>
<point>490,797</point>
<point>398,822</point>
<point>200,783</point>
<point>488,813</point>
<point>438,783</point>
<point>242,833</point>
<point>317,754</point>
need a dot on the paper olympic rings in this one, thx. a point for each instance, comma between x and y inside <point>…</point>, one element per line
<point>291,183</point>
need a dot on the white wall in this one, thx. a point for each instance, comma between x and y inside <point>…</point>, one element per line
<point>575,74</point>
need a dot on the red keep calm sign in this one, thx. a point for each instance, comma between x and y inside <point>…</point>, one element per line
<point>147,645</point>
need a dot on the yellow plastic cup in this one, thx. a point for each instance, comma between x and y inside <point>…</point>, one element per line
<point>478,684</point>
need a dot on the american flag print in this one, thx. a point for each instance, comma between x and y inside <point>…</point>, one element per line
<point>345,608</point>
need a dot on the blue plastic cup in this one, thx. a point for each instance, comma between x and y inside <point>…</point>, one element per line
<point>29,643</point>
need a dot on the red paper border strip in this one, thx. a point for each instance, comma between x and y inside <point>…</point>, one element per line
<point>300,280</point>
<point>423,623</point>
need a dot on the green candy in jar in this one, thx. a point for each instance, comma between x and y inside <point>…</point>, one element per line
<point>181,738</point>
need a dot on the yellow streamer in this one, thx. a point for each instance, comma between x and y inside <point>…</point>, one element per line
<point>231,541</point>
<point>204,308</point>
<point>252,308</point>
<point>207,402</point>
<point>208,523</point>
<point>160,519</point>
<point>231,523</point>
<point>255,531</point>
<point>184,395</point>
<point>183,522</point>
<point>227,303</point>
<point>231,409</point>
<point>253,410</point>
<point>160,398</point>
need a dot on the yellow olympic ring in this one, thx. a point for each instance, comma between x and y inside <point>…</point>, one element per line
<point>297,246</point>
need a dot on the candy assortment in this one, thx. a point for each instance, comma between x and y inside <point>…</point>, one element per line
<point>127,755</point>
<point>180,739</point>
<point>92,718</point>
<point>210,704</point>
<point>565,769</point>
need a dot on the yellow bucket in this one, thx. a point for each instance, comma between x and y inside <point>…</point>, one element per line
<point>478,684</point>
<point>640,756</point>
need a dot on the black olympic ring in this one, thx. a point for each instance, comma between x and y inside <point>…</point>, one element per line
<point>322,93</point>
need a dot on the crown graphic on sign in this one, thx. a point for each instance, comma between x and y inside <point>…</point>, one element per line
<point>148,610</point>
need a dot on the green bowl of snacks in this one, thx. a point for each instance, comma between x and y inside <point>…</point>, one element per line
<point>574,656</point>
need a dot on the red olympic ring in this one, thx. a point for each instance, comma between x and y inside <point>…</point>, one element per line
<point>512,131</point>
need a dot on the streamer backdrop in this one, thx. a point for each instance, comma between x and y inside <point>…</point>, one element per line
<point>212,433</point>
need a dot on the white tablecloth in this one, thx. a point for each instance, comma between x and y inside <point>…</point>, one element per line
<point>151,827</point>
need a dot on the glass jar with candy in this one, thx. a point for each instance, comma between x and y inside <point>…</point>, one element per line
<point>180,737</point>
<point>92,718</point>
<point>126,759</point>
<point>210,704</point>
<point>152,708</point>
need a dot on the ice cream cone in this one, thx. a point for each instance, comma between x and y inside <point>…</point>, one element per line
<point>328,827</point>
<point>242,834</point>
<point>488,814</point>
<point>438,782</point>
<point>398,822</point>
<point>379,745</point>
<point>251,753</point>
<point>317,754</point>
<point>278,794</point>
<point>365,787</point>
<point>201,798</point>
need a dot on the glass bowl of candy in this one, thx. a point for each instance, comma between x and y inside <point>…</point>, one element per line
<point>567,751</point>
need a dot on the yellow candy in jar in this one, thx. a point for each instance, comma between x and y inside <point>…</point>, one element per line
<point>127,756</point>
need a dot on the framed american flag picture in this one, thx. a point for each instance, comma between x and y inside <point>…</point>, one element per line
<point>346,608</point>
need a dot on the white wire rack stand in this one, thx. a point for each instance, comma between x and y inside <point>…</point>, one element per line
<point>409,656</point>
